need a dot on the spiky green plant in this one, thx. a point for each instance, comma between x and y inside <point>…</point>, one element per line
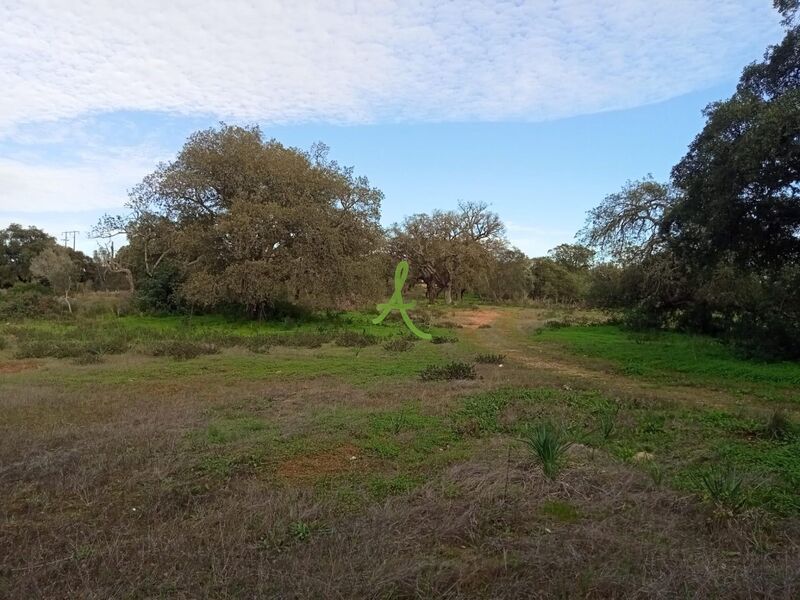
<point>549,445</point>
<point>724,488</point>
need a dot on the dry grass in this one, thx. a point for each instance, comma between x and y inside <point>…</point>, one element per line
<point>201,487</point>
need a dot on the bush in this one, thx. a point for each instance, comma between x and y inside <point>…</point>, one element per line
<point>28,300</point>
<point>450,371</point>
<point>723,487</point>
<point>398,345</point>
<point>780,427</point>
<point>490,359</point>
<point>443,339</point>
<point>181,349</point>
<point>354,339</point>
<point>301,339</point>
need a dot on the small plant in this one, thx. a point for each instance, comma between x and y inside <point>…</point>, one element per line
<point>450,371</point>
<point>354,339</point>
<point>548,444</point>
<point>724,488</point>
<point>490,359</point>
<point>443,339</point>
<point>89,358</point>
<point>302,339</point>
<point>398,345</point>
<point>656,473</point>
<point>300,530</point>
<point>608,421</point>
<point>181,349</point>
<point>780,427</point>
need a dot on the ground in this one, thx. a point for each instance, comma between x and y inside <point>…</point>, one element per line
<point>188,458</point>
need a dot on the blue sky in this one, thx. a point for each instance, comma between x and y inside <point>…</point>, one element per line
<point>538,108</point>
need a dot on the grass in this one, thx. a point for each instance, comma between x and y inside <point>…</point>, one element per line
<point>676,358</point>
<point>314,448</point>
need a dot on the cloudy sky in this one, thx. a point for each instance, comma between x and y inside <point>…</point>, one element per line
<point>539,108</point>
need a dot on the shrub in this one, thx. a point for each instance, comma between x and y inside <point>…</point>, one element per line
<point>443,339</point>
<point>548,444</point>
<point>354,339</point>
<point>181,349</point>
<point>28,300</point>
<point>724,488</point>
<point>398,345</point>
<point>301,339</point>
<point>490,359</point>
<point>258,343</point>
<point>450,371</point>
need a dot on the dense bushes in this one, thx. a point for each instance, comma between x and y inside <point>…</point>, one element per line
<point>28,300</point>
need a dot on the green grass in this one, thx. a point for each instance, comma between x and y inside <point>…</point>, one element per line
<point>674,357</point>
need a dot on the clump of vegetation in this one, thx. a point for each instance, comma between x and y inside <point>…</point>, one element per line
<point>302,339</point>
<point>780,427</point>
<point>258,343</point>
<point>490,359</point>
<point>398,345</point>
<point>181,349</point>
<point>549,445</point>
<point>723,487</point>
<point>89,358</point>
<point>607,421</point>
<point>444,339</point>
<point>449,371</point>
<point>484,326</point>
<point>355,339</point>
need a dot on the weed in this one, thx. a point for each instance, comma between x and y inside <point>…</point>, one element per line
<point>449,371</point>
<point>444,339</point>
<point>547,443</point>
<point>490,359</point>
<point>607,421</point>
<point>300,530</point>
<point>354,339</point>
<point>180,349</point>
<point>87,359</point>
<point>780,427</point>
<point>398,345</point>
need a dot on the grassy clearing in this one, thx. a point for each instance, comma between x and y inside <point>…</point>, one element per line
<point>250,471</point>
<point>674,358</point>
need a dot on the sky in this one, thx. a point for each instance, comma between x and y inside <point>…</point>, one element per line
<point>538,108</point>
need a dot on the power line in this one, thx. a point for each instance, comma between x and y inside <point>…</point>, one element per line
<point>66,235</point>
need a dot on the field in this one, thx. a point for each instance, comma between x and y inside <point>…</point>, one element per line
<point>145,457</point>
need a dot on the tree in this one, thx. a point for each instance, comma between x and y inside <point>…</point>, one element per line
<point>57,266</point>
<point>628,223</point>
<point>449,250</point>
<point>18,246</point>
<point>253,223</point>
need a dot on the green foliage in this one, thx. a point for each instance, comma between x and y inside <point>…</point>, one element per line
<point>449,371</point>
<point>355,339</point>
<point>18,247</point>
<point>160,292</point>
<point>549,445</point>
<point>180,349</point>
<point>607,420</point>
<point>490,359</point>
<point>28,300</point>
<point>723,487</point>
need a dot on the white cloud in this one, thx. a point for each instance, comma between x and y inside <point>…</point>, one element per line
<point>362,61</point>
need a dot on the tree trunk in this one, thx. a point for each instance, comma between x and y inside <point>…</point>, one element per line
<point>448,294</point>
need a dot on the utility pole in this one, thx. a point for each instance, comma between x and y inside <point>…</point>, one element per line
<point>66,235</point>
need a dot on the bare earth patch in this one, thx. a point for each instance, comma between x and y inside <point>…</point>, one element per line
<point>473,319</point>
<point>310,467</point>
<point>17,366</point>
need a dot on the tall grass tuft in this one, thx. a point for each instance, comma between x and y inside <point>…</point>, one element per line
<point>549,445</point>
